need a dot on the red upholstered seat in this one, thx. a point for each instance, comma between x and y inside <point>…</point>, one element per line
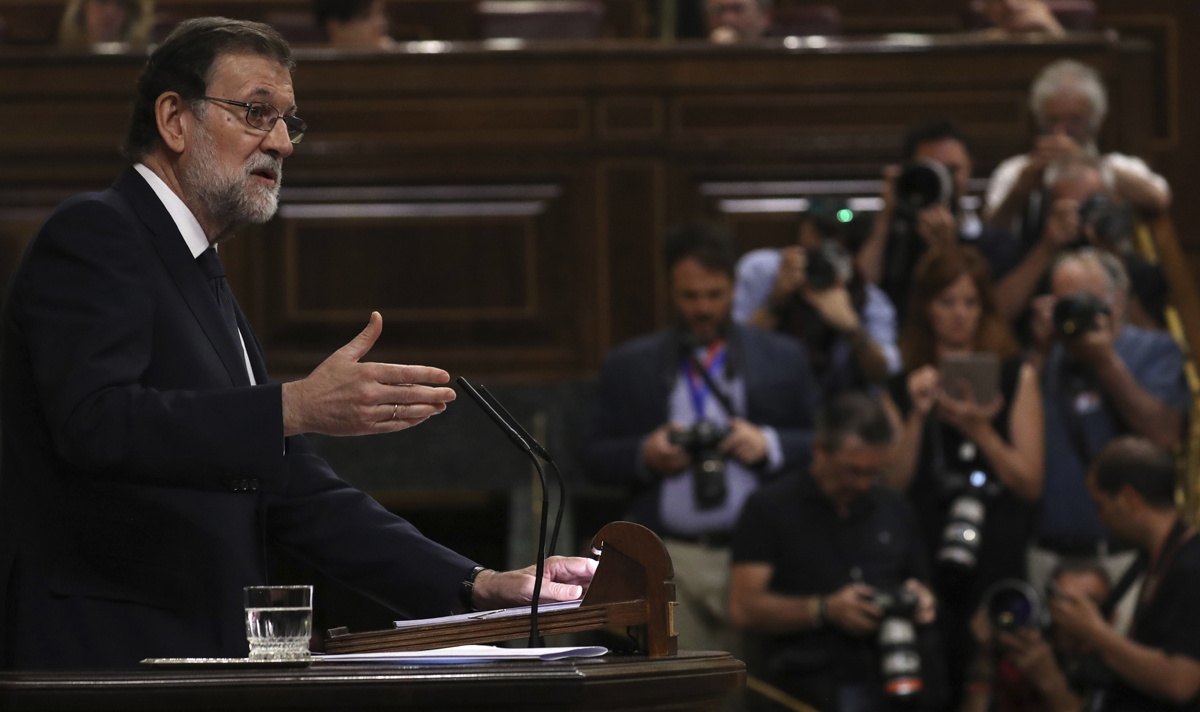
<point>805,20</point>
<point>297,27</point>
<point>1073,15</point>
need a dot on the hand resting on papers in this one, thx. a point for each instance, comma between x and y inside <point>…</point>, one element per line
<point>565,579</point>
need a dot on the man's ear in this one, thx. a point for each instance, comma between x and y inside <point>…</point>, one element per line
<point>175,121</point>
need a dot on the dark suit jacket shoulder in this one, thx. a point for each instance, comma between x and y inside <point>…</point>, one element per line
<point>142,476</point>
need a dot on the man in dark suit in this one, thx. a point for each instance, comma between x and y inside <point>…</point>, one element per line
<point>147,462</point>
<point>754,388</point>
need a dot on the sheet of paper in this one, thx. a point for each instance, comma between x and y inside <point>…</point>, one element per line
<point>467,654</point>
<point>490,615</point>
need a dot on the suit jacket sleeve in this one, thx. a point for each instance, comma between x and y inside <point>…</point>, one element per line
<point>322,520</point>
<point>86,309</point>
<point>613,450</point>
<point>790,395</point>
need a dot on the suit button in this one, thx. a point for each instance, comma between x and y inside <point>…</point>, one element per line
<point>253,485</point>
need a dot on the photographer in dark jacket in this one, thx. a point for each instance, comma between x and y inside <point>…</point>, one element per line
<point>694,418</point>
<point>908,226</point>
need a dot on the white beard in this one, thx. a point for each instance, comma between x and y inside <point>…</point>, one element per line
<point>230,199</point>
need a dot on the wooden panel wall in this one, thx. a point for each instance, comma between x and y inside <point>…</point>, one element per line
<point>34,22</point>
<point>506,209</point>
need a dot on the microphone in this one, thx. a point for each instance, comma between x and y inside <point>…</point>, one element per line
<point>541,451</point>
<point>535,639</point>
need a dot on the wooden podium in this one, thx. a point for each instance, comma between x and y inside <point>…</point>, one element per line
<point>632,589</point>
<point>688,681</point>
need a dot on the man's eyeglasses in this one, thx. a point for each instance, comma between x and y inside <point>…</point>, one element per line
<point>263,116</point>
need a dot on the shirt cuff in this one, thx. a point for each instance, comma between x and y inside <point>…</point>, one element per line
<point>774,449</point>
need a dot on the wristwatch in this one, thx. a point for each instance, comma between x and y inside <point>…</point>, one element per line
<point>466,594</point>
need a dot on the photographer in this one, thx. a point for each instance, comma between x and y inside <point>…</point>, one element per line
<point>1023,668</point>
<point>694,418</point>
<point>813,292</point>
<point>1158,666</point>
<point>1069,103</point>
<point>922,210</point>
<point>949,447</point>
<point>1084,212</point>
<point>811,555</point>
<point>1100,378</point>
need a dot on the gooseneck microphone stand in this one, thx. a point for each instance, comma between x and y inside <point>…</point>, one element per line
<point>535,639</point>
<point>541,452</point>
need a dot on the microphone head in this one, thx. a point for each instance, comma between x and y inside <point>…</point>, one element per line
<point>491,413</point>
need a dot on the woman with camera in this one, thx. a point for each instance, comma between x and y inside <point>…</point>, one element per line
<point>969,446</point>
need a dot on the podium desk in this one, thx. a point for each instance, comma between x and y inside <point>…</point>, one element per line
<point>691,680</point>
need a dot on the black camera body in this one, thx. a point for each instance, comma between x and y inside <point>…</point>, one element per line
<point>702,442</point>
<point>899,655</point>
<point>825,265</point>
<point>1076,314</point>
<point>1110,222</point>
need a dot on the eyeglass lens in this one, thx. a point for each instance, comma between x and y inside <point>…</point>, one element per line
<point>263,117</point>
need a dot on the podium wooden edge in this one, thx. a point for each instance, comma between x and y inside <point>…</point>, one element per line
<point>632,588</point>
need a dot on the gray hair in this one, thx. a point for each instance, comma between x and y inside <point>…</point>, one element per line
<point>1069,75</point>
<point>1111,265</point>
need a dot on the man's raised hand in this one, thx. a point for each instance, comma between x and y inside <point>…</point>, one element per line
<point>343,396</point>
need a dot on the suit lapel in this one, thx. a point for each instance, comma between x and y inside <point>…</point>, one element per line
<point>173,251</point>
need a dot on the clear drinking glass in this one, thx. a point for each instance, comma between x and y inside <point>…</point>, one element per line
<point>278,622</point>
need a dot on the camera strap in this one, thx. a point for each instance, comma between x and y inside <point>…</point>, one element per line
<point>693,370</point>
<point>1180,534</point>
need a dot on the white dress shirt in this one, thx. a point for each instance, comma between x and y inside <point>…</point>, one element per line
<point>192,233</point>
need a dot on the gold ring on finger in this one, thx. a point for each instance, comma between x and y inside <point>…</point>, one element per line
<point>395,408</point>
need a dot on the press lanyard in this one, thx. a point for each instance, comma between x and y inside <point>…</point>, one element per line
<point>714,358</point>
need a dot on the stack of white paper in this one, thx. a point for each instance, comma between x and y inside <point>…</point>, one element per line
<point>467,654</point>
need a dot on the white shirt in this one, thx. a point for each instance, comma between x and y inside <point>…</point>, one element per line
<point>189,227</point>
<point>1006,174</point>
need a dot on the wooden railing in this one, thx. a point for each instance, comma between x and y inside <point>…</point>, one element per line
<point>1159,244</point>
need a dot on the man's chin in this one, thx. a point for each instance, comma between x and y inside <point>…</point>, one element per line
<point>262,207</point>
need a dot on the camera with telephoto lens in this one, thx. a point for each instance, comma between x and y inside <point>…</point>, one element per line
<point>826,265</point>
<point>1077,313</point>
<point>963,535</point>
<point>922,184</point>
<point>1110,222</point>
<point>899,654</point>
<point>702,442</point>
<point>1012,604</point>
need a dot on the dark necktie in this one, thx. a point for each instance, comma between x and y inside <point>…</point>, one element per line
<point>211,265</point>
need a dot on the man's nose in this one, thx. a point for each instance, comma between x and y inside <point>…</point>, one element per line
<point>277,140</point>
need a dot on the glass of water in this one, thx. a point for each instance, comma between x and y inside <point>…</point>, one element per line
<point>279,622</point>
